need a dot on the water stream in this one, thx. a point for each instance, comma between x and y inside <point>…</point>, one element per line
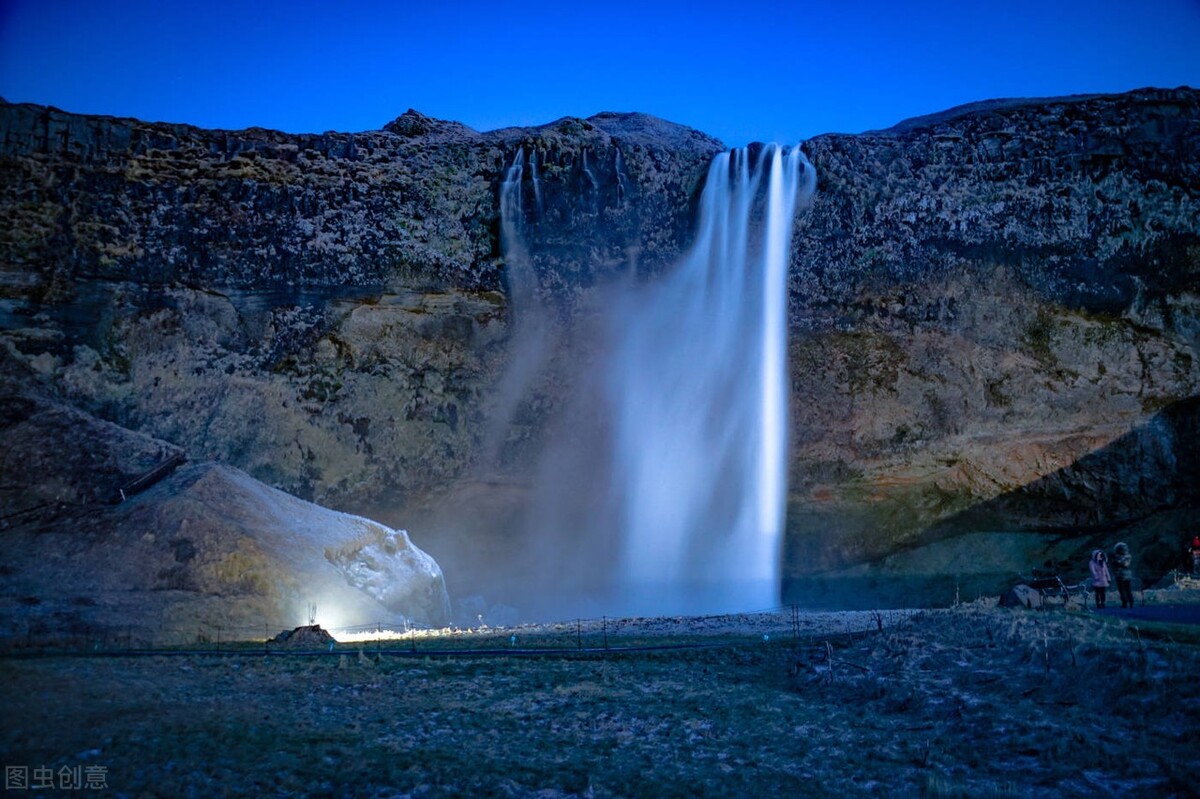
<point>678,501</point>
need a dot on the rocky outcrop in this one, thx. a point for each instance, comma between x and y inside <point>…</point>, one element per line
<point>311,636</point>
<point>978,300</point>
<point>212,548</point>
<point>412,206</point>
<point>205,548</point>
<point>1088,201</point>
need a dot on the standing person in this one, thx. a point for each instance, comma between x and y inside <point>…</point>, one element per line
<point>1122,562</point>
<point>1101,577</point>
<point>1193,559</point>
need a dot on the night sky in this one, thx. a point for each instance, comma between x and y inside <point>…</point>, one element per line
<point>782,71</point>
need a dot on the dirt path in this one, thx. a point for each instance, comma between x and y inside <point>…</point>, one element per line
<point>1171,614</point>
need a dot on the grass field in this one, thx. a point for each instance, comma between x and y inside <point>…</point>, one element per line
<point>972,702</point>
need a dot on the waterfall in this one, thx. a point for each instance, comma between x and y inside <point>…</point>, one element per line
<point>522,283</point>
<point>698,384</point>
<point>620,171</point>
<point>527,341</point>
<point>664,490</point>
<point>590,175</point>
<point>537,182</point>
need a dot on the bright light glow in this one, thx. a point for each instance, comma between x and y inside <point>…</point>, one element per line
<point>363,634</point>
<point>358,636</point>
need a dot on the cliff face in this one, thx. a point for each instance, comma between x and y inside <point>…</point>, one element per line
<point>981,299</point>
<point>326,312</point>
<point>411,206</point>
<point>978,299</point>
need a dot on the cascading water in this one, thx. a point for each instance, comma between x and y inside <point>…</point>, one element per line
<point>698,384</point>
<point>674,503</point>
<point>527,344</point>
<point>590,175</point>
<point>537,181</point>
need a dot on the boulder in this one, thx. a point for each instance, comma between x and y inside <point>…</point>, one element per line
<point>1021,596</point>
<point>310,636</point>
<point>208,551</point>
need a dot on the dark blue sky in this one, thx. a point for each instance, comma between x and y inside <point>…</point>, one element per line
<point>782,71</point>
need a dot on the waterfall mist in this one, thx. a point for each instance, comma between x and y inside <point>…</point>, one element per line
<point>661,483</point>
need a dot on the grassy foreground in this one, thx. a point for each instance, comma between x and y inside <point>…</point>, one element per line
<point>971,702</point>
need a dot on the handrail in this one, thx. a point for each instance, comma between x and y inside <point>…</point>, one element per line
<point>151,476</point>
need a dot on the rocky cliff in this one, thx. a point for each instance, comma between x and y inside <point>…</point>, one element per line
<point>979,300</point>
<point>988,299</point>
<point>327,312</point>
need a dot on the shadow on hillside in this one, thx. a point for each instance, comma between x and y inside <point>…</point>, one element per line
<point>1151,469</point>
<point>1141,488</point>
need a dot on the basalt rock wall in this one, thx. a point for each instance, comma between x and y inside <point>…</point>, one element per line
<point>978,299</point>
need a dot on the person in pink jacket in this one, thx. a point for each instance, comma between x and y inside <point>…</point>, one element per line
<point>1101,579</point>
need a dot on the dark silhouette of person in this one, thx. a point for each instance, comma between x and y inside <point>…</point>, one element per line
<point>1122,570</point>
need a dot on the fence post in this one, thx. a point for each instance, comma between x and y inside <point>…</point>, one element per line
<point>604,621</point>
<point>578,634</point>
